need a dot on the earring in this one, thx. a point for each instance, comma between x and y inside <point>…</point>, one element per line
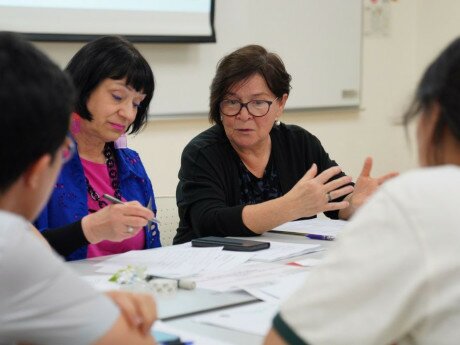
<point>75,121</point>
<point>277,122</point>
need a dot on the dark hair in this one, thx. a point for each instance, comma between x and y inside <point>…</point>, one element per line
<point>242,64</point>
<point>115,58</point>
<point>440,85</point>
<point>36,100</point>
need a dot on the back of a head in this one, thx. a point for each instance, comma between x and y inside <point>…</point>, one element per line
<point>36,99</point>
<point>440,85</point>
<point>242,64</point>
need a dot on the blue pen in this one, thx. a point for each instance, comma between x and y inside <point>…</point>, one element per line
<point>320,237</point>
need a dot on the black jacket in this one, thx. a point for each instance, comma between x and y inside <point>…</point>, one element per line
<point>208,192</point>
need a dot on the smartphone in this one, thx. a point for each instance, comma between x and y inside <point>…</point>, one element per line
<point>230,243</point>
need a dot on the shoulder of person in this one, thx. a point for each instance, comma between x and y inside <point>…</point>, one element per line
<point>427,180</point>
<point>213,137</point>
<point>293,132</point>
<point>127,153</point>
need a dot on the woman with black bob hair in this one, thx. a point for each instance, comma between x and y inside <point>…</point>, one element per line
<point>115,85</point>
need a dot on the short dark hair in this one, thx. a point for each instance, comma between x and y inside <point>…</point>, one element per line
<point>36,99</point>
<point>242,64</point>
<point>440,84</point>
<point>116,58</point>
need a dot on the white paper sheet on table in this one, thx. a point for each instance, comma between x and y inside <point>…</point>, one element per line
<point>286,287</point>
<point>277,291</point>
<point>317,226</point>
<point>254,318</point>
<point>280,251</point>
<point>101,282</point>
<point>175,261</point>
<point>248,274</point>
<point>308,262</point>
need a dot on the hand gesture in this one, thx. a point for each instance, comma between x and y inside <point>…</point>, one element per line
<point>313,194</point>
<point>366,185</point>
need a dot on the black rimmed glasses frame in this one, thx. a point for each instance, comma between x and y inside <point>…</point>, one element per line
<point>256,107</point>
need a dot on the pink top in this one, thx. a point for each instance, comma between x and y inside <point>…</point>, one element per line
<point>98,177</point>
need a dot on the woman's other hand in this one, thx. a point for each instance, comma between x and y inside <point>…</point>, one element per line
<point>365,186</point>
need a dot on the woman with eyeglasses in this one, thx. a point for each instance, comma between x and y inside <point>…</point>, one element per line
<point>249,172</point>
<point>114,86</point>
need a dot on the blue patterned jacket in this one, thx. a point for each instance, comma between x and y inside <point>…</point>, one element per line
<point>68,202</point>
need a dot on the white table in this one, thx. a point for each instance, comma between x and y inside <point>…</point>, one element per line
<point>179,310</point>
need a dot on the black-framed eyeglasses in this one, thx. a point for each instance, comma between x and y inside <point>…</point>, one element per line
<point>256,107</point>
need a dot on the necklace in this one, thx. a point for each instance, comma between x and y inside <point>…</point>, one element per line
<point>113,174</point>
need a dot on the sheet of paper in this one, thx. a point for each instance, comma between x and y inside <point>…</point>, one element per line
<point>254,318</point>
<point>280,251</point>
<point>255,290</point>
<point>175,261</point>
<point>101,282</point>
<point>245,275</point>
<point>317,226</point>
<point>306,262</point>
<point>277,291</point>
<point>286,287</point>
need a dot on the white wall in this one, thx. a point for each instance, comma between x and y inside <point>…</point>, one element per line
<point>437,25</point>
<point>391,68</point>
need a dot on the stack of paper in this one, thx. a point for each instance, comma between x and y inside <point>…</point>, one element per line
<point>317,226</point>
<point>249,274</point>
<point>175,261</point>
<point>280,251</point>
<point>254,318</point>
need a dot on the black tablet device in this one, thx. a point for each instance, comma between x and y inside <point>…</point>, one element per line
<point>230,243</point>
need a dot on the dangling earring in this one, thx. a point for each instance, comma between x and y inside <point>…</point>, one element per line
<point>75,120</point>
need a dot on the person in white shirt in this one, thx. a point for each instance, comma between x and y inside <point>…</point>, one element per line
<point>42,301</point>
<point>394,275</point>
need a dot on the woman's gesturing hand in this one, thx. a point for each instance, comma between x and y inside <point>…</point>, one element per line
<point>313,193</point>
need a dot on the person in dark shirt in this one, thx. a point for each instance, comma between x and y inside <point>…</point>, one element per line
<point>250,173</point>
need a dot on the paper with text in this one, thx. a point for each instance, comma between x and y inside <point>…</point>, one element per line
<point>317,226</point>
<point>281,250</point>
<point>254,318</point>
<point>175,261</point>
<point>248,274</point>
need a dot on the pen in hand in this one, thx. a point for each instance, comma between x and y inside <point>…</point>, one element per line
<point>117,201</point>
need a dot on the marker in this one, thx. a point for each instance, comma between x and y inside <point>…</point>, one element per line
<point>185,284</point>
<point>117,201</point>
<point>320,237</point>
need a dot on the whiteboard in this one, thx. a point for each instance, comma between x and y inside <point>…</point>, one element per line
<point>318,40</point>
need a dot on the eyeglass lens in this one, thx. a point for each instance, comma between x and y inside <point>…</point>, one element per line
<point>255,107</point>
